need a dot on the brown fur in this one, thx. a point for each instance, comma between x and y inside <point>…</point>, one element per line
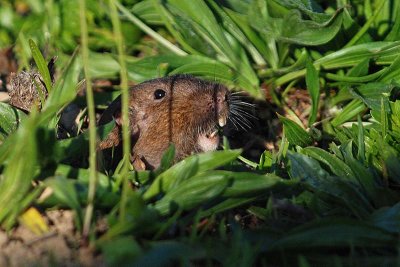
<point>190,106</point>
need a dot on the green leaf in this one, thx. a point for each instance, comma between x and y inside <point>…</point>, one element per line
<point>20,169</point>
<point>64,89</point>
<point>336,166</point>
<point>102,65</point>
<point>188,168</point>
<point>312,82</point>
<point>329,188</point>
<point>384,53</point>
<point>78,147</point>
<point>373,93</point>
<point>218,71</point>
<point>205,24</point>
<point>387,218</point>
<point>145,10</point>
<point>295,134</point>
<point>10,119</point>
<point>351,110</point>
<point>365,176</point>
<point>241,31</point>
<point>167,159</point>
<point>121,251</point>
<point>66,193</point>
<point>334,233</point>
<point>41,64</point>
<point>361,140</point>
<point>293,29</point>
<point>195,191</point>
<point>162,253</point>
<point>251,184</point>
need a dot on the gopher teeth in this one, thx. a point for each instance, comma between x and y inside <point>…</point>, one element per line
<point>222,121</point>
<point>213,134</point>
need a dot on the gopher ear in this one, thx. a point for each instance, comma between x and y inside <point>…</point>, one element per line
<point>111,112</point>
<point>118,117</point>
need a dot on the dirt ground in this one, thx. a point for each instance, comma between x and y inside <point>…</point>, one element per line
<point>60,246</point>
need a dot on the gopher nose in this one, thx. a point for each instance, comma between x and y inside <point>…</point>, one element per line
<point>222,99</point>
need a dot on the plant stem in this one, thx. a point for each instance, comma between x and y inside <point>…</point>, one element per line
<point>124,109</point>
<point>366,26</point>
<point>92,121</point>
<point>150,32</point>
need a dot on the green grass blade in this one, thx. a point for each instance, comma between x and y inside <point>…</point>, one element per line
<point>351,110</point>
<point>312,82</point>
<point>41,64</point>
<point>337,166</point>
<point>294,133</point>
<point>92,121</point>
<point>366,26</point>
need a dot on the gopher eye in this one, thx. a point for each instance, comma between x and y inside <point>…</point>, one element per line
<point>159,93</point>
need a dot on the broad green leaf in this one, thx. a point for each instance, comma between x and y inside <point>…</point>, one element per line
<point>182,30</point>
<point>78,146</point>
<point>365,176</point>
<point>20,170</point>
<point>77,181</point>
<point>251,37</point>
<point>102,65</point>
<point>334,233</point>
<point>146,12</point>
<point>195,191</point>
<point>387,218</point>
<point>206,25</point>
<point>336,166</point>
<point>307,7</point>
<point>391,162</point>
<point>167,159</point>
<point>373,93</point>
<point>295,134</point>
<point>382,52</point>
<point>230,25</point>
<point>10,119</point>
<point>189,167</point>
<point>41,64</point>
<point>250,184</point>
<point>312,82</point>
<point>327,187</point>
<point>293,29</point>
<point>121,251</point>
<point>228,204</point>
<point>65,192</point>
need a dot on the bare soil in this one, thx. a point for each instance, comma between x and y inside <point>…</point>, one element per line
<point>60,246</point>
